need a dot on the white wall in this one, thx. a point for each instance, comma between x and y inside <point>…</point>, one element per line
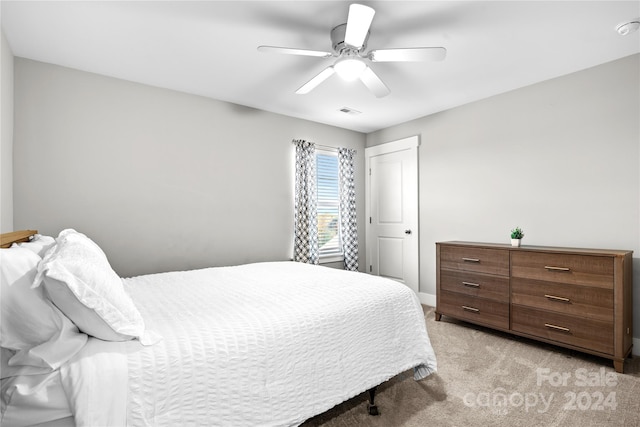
<point>162,180</point>
<point>561,159</point>
<point>6,136</point>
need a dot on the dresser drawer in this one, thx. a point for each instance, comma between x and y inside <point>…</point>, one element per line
<point>587,302</point>
<point>476,310</point>
<point>476,284</point>
<point>586,333</point>
<point>480,260</point>
<point>587,270</point>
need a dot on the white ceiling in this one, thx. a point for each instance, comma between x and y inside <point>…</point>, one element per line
<point>209,48</point>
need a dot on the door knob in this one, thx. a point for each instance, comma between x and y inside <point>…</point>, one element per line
<point>407,231</point>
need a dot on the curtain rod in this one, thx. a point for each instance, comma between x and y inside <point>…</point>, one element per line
<point>328,148</point>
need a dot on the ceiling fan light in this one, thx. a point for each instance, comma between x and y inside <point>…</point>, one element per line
<point>349,69</point>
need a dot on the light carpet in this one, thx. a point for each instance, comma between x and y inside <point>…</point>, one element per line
<point>490,378</point>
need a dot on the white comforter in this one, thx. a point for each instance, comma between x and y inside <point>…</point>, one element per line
<point>269,344</point>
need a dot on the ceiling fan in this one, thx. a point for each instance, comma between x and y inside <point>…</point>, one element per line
<point>349,43</point>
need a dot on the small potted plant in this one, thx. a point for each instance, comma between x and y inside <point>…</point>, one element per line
<point>516,235</point>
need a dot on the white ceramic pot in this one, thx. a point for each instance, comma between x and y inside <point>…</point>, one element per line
<point>515,242</point>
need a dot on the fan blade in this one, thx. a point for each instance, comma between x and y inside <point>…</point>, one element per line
<point>373,82</point>
<point>293,51</point>
<point>314,82</point>
<point>416,54</point>
<point>358,23</point>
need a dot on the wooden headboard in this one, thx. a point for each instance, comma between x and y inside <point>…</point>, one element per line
<point>7,239</point>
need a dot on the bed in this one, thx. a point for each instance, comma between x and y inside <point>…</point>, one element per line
<point>263,344</point>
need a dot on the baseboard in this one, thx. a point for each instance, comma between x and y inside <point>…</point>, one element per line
<point>428,299</point>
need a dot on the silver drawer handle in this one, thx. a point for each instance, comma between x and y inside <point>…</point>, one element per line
<point>466,307</point>
<point>470,259</point>
<point>555,298</point>
<point>558,328</point>
<point>552,268</point>
<point>472,285</point>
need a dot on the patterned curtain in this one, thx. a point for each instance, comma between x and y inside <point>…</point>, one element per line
<point>348,224</point>
<point>305,234</point>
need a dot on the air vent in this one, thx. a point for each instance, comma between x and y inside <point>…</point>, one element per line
<point>348,110</point>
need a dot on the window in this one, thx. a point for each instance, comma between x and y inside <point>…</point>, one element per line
<point>328,188</point>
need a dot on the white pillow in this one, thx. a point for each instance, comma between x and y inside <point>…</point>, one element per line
<point>34,335</point>
<point>39,244</point>
<point>80,281</point>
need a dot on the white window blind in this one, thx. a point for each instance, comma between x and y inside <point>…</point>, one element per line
<point>328,203</point>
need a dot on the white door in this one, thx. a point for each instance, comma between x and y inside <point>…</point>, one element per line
<point>392,211</point>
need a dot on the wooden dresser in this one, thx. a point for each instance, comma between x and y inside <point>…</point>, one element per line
<point>575,298</point>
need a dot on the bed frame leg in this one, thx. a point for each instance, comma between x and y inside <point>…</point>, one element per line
<point>373,409</point>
